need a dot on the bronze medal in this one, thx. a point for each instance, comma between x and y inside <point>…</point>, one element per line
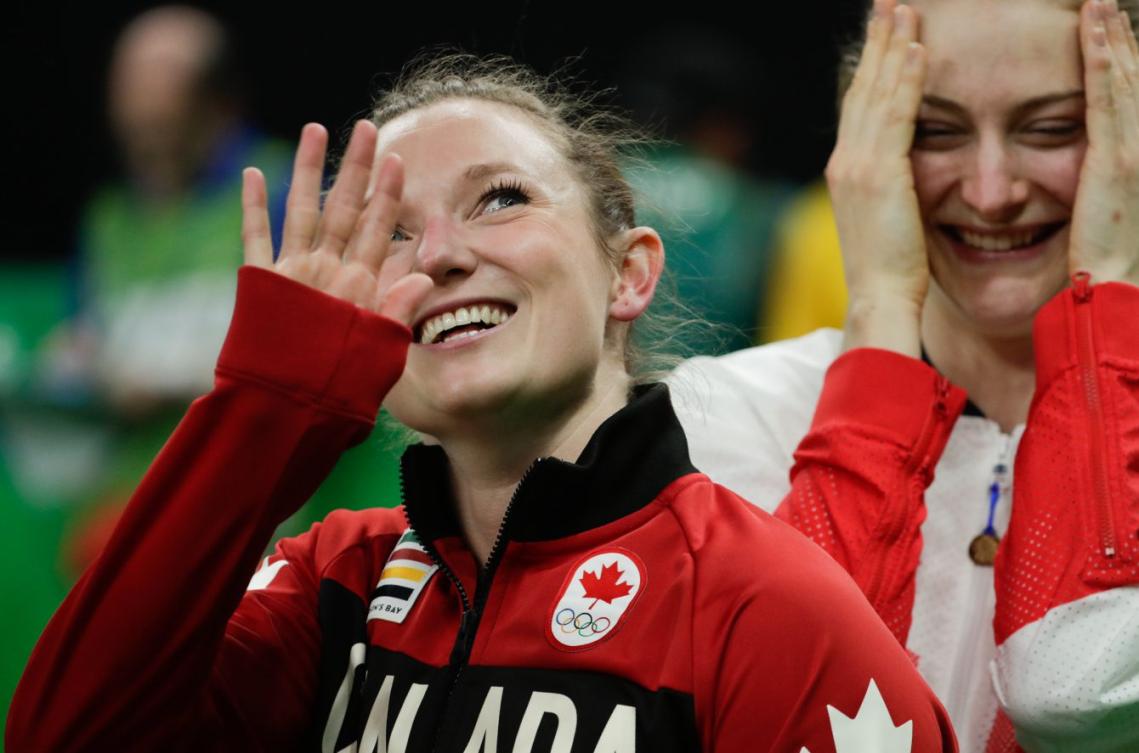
<point>983,548</point>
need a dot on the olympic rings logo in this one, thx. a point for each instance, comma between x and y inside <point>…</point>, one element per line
<point>581,623</point>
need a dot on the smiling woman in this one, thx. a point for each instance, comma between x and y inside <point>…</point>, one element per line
<point>985,186</point>
<point>560,577</point>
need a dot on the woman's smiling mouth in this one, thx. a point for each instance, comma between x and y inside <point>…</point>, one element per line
<point>977,245</point>
<point>462,321</point>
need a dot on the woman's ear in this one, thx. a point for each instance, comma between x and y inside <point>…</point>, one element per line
<point>642,261</point>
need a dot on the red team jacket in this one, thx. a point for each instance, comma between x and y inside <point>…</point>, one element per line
<point>630,604</point>
<point>1066,569</point>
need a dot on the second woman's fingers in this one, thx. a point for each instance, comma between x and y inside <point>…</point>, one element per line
<point>890,72</point>
<point>255,233</point>
<point>897,94</point>
<point>878,33</point>
<point>1097,71</point>
<point>898,130</point>
<point>1132,42</point>
<point>1124,81</point>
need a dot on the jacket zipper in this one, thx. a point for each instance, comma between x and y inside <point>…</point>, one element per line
<point>472,612</point>
<point>918,460</point>
<point>1094,403</point>
<point>980,586</point>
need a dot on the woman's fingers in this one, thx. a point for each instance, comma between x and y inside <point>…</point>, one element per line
<point>1111,73</point>
<point>255,233</point>
<point>908,96</point>
<point>870,177</point>
<point>878,34</point>
<point>1105,220</point>
<point>1124,77</point>
<point>900,82</point>
<point>401,300</point>
<point>346,199</point>
<point>1097,71</point>
<point>905,32</point>
<point>373,237</point>
<point>881,108</point>
<point>302,209</point>
<point>1132,42</point>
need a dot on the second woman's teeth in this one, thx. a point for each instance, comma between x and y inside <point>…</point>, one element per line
<point>997,242</point>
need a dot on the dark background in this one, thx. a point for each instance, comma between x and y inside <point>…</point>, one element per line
<point>321,61</point>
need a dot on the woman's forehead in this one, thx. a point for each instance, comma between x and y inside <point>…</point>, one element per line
<point>462,133</point>
<point>993,51</point>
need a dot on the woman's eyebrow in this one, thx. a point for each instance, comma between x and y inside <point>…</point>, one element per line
<point>485,170</point>
<point>1049,99</point>
<point>941,103</point>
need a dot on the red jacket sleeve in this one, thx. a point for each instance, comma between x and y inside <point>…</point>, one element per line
<point>1067,611</point>
<point>835,682</point>
<point>143,653</point>
<point>860,474</point>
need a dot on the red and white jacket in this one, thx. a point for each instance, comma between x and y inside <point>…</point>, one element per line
<point>1046,643</point>
<point>630,603</point>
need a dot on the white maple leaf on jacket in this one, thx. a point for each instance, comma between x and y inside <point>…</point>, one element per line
<point>871,730</point>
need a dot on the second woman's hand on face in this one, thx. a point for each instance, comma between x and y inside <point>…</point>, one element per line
<point>870,178</point>
<point>341,249</point>
<point>1105,221</point>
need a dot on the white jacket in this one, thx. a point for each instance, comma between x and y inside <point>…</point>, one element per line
<point>1068,682</point>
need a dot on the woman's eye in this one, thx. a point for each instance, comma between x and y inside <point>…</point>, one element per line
<point>1053,132</point>
<point>933,135</point>
<point>502,197</point>
<point>398,235</point>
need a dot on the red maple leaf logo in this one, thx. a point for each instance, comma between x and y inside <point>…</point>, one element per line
<point>605,586</point>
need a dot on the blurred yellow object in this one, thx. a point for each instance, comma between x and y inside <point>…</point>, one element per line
<point>808,290</point>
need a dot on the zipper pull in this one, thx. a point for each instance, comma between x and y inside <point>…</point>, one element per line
<point>1082,286</point>
<point>942,401</point>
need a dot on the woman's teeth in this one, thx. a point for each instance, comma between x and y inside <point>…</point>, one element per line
<point>997,242</point>
<point>439,328</point>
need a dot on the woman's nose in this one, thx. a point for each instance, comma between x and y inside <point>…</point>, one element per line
<point>442,254</point>
<point>993,186</point>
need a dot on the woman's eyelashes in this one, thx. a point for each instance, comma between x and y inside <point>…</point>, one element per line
<point>503,194</point>
<point>932,135</point>
<point>1053,132</point>
<point>500,195</point>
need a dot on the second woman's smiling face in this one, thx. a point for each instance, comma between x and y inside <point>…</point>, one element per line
<point>997,154</point>
<point>492,212</point>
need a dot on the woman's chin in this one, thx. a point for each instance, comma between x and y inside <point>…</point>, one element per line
<point>434,409</point>
<point>1002,307</point>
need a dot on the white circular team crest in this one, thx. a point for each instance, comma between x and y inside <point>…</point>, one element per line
<point>597,593</point>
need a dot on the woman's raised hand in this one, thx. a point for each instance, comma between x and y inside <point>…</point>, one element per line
<point>872,186</point>
<point>1105,221</point>
<point>340,250</point>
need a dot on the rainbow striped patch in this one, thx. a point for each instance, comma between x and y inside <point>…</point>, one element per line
<point>404,575</point>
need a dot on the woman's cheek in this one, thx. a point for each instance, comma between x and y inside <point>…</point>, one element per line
<point>935,174</point>
<point>1057,171</point>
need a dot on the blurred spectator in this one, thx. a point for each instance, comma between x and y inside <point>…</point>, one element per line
<point>152,281</point>
<point>717,219</point>
<point>152,284</point>
<point>157,249</point>
<point>155,277</point>
<point>807,288</point>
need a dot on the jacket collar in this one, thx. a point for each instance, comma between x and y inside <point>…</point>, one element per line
<point>629,460</point>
